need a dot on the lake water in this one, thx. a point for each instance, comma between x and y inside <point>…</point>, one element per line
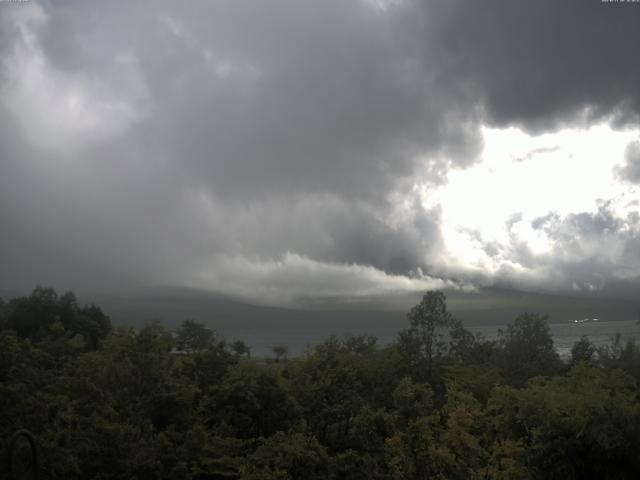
<point>301,337</point>
<point>566,334</point>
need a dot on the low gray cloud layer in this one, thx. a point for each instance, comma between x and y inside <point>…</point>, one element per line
<point>276,145</point>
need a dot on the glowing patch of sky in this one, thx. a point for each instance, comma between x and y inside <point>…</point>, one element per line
<point>522,177</point>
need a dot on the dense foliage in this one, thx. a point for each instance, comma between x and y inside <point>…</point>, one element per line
<point>440,403</point>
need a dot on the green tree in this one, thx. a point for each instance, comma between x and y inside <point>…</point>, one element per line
<point>433,336</point>
<point>193,336</point>
<point>208,367</point>
<point>329,386</point>
<point>527,350</point>
<point>4,314</point>
<point>252,401</point>
<point>364,453</point>
<point>417,452</point>
<point>582,425</point>
<point>287,457</point>
<point>412,400</point>
<point>44,313</point>
<point>280,351</point>
<point>583,351</point>
<point>240,348</point>
<point>624,355</point>
<point>360,344</point>
<point>440,444</point>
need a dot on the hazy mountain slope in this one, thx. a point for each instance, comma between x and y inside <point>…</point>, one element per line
<point>172,305</point>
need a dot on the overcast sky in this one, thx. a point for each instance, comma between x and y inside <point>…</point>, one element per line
<point>291,148</point>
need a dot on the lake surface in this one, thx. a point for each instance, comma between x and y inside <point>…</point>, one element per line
<point>302,336</point>
<point>567,333</point>
<point>264,326</point>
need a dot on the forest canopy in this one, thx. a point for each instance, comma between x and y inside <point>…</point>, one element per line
<point>150,403</point>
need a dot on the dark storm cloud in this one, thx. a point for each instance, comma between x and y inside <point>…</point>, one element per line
<point>539,64</point>
<point>151,142</point>
<point>360,237</point>
<point>303,114</point>
<point>254,97</point>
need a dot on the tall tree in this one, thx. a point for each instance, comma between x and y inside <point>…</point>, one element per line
<point>527,349</point>
<point>44,313</point>
<point>241,348</point>
<point>280,351</point>
<point>433,334</point>
<point>193,336</point>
